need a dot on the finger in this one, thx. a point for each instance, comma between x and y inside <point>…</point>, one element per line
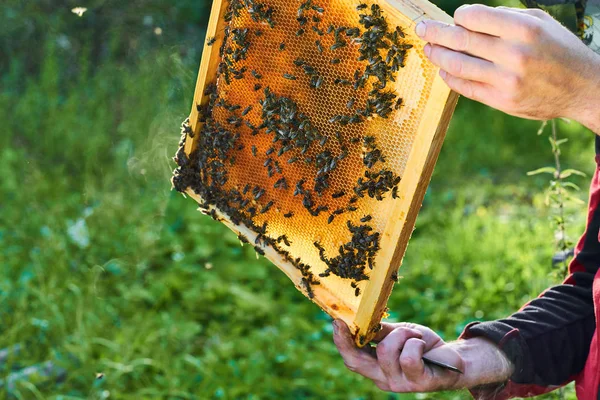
<point>494,21</point>
<point>411,360</point>
<point>461,65</point>
<point>535,12</point>
<point>473,90</point>
<point>386,329</point>
<point>460,39</point>
<point>356,360</point>
<point>389,349</point>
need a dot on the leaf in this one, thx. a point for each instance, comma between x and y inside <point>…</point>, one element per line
<point>561,141</point>
<point>542,126</point>
<point>568,172</point>
<point>571,185</point>
<point>543,170</point>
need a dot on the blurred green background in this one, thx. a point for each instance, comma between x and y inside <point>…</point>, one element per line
<point>105,270</point>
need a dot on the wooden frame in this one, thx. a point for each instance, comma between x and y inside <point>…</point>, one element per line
<point>363,319</point>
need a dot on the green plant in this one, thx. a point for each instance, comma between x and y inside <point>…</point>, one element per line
<point>561,194</point>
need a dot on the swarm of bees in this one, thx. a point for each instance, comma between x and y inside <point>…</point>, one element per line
<point>295,138</point>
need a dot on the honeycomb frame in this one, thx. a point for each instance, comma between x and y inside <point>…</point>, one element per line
<point>436,101</point>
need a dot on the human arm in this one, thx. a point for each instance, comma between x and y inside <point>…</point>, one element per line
<point>532,352</point>
<point>396,364</point>
<point>522,62</point>
<point>546,343</point>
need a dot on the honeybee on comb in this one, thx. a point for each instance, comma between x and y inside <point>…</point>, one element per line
<point>309,164</point>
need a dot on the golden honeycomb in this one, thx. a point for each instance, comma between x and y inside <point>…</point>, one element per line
<point>267,63</point>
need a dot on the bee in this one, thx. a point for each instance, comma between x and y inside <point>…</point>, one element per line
<point>361,339</point>
<point>357,292</point>
<point>242,238</point>
<point>400,32</point>
<point>394,276</point>
<point>281,183</point>
<point>257,87</point>
<point>352,32</point>
<point>259,250</point>
<point>258,32</point>
<point>292,160</point>
<point>254,150</point>
<point>366,218</point>
<point>211,41</point>
<point>285,240</point>
<point>361,6</point>
<point>246,110</point>
<point>281,46</point>
<point>309,290</point>
<point>267,207</point>
<point>318,82</point>
<point>299,188</point>
<point>270,151</point>
<point>288,214</point>
<point>330,219</point>
<point>300,32</point>
<point>319,46</point>
<point>246,188</point>
<point>259,194</point>
<point>302,20</point>
<point>318,9</point>
<point>398,103</point>
<point>341,81</point>
<point>339,194</point>
<point>335,61</point>
<point>256,74</point>
<point>395,192</point>
<point>337,45</point>
<point>289,76</point>
<point>350,103</point>
<point>338,136</point>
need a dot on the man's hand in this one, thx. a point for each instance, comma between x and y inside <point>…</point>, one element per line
<point>522,62</point>
<point>396,364</point>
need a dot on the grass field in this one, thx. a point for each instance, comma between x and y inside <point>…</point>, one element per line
<point>106,270</point>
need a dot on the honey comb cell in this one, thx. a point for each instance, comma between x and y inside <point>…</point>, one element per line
<point>313,135</point>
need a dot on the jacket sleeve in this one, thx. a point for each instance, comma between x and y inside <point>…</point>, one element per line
<point>548,340</point>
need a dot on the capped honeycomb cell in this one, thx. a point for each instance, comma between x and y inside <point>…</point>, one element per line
<point>313,135</point>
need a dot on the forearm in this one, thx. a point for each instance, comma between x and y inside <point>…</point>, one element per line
<point>586,104</point>
<point>484,363</point>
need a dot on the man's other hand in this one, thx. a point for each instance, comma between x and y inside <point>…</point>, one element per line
<point>522,62</point>
<point>395,364</point>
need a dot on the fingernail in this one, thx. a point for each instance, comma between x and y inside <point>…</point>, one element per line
<point>427,49</point>
<point>421,29</point>
<point>335,327</point>
<point>443,74</point>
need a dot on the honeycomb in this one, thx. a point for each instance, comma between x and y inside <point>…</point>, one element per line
<point>270,58</point>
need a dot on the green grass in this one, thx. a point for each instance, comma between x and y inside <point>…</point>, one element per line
<point>104,269</point>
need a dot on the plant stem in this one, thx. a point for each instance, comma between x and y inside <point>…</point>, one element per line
<point>562,242</point>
